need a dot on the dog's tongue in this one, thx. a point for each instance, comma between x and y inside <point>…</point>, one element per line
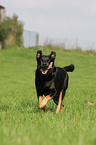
<point>45,71</point>
<point>50,66</point>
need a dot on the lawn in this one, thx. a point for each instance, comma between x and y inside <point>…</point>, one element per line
<point>21,123</point>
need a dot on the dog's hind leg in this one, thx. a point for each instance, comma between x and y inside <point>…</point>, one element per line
<point>62,108</point>
<point>59,103</point>
<point>56,102</point>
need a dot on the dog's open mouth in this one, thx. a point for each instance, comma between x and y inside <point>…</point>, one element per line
<point>44,70</point>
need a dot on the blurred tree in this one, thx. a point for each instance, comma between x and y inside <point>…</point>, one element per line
<point>11,27</point>
<point>2,12</point>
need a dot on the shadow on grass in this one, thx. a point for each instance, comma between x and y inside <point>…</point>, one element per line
<point>33,106</point>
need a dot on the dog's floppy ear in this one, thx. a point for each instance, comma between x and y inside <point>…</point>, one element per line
<point>53,55</point>
<point>39,54</point>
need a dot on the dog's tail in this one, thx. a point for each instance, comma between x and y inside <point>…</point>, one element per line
<point>69,68</point>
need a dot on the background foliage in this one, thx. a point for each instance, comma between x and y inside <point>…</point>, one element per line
<point>11,27</point>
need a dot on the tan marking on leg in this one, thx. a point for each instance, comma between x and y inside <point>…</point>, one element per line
<point>59,103</point>
<point>51,87</point>
<point>44,101</point>
<point>40,100</point>
<point>62,108</point>
<point>45,108</point>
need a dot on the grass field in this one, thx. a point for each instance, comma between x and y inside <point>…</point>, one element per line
<point>21,123</point>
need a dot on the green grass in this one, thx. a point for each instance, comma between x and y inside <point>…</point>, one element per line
<point>20,120</point>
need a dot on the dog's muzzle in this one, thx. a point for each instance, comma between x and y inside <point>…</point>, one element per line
<point>46,69</point>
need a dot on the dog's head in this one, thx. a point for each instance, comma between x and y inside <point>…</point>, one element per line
<point>45,63</point>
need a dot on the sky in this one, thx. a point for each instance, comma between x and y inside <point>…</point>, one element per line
<point>56,18</point>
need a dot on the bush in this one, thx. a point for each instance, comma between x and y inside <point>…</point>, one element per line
<point>3,31</point>
<point>11,26</point>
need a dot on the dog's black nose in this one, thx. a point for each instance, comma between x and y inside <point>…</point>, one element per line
<point>44,64</point>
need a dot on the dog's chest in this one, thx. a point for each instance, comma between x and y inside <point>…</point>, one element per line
<point>47,82</point>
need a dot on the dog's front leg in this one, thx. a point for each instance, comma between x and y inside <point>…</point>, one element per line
<point>44,108</point>
<point>59,103</point>
<point>43,103</point>
<point>39,100</point>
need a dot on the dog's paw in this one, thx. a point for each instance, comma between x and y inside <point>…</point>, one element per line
<point>57,110</point>
<point>62,109</point>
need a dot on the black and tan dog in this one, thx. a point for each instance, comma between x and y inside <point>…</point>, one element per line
<point>50,81</point>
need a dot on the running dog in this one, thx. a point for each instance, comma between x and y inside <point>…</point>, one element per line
<point>51,81</point>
